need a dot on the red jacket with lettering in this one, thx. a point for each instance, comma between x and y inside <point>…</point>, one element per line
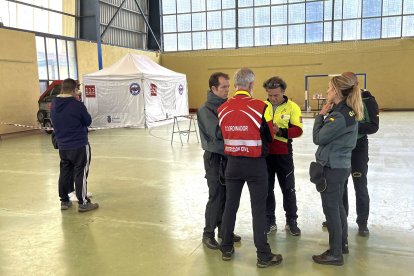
<point>244,126</point>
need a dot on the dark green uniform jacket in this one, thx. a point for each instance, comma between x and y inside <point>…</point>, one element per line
<point>336,136</point>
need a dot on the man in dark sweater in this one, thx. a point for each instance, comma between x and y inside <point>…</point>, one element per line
<point>214,159</point>
<point>70,121</point>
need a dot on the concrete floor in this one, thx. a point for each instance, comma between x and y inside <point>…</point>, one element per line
<point>152,198</point>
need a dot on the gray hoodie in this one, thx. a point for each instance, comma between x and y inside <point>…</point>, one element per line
<point>336,136</point>
<point>207,118</point>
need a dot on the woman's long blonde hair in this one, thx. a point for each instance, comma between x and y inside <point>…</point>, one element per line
<point>346,87</point>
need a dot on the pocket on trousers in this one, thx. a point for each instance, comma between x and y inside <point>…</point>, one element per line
<point>317,176</point>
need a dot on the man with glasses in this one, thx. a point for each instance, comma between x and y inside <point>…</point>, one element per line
<point>287,124</point>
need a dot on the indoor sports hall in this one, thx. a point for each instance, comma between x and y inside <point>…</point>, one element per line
<point>147,172</point>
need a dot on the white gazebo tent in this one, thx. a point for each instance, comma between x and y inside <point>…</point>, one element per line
<point>135,91</point>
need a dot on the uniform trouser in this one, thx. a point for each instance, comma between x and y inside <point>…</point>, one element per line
<point>282,166</point>
<point>359,163</point>
<point>333,208</point>
<point>216,193</point>
<point>74,164</point>
<point>254,172</point>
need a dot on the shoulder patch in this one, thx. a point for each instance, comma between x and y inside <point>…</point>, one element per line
<point>349,115</point>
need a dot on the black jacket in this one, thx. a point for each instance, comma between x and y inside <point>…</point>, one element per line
<point>370,123</point>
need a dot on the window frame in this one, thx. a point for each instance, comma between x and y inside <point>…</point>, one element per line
<point>331,19</point>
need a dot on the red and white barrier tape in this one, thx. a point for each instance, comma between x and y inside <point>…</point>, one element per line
<point>92,128</point>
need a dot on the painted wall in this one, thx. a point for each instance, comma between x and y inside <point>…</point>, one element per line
<point>19,90</point>
<point>387,63</point>
<point>68,24</point>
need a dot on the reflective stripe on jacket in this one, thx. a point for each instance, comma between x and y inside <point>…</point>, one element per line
<point>288,117</point>
<point>240,120</point>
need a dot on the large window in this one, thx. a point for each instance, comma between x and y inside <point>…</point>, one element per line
<point>54,24</point>
<point>211,24</point>
<point>25,15</point>
<point>56,59</point>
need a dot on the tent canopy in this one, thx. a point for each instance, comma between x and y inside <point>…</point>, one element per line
<point>133,65</point>
<point>135,91</point>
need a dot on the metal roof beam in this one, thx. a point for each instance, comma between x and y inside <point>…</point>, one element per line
<point>148,25</point>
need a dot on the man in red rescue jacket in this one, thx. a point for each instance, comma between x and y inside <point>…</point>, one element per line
<point>246,130</point>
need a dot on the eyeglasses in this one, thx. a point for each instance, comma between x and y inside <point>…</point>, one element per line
<point>273,85</point>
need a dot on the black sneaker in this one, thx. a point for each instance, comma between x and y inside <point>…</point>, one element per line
<point>293,229</point>
<point>363,230</point>
<point>210,242</point>
<point>327,258</point>
<point>227,256</point>
<point>64,205</point>
<point>345,249</point>
<point>236,238</point>
<point>275,260</point>
<point>88,207</point>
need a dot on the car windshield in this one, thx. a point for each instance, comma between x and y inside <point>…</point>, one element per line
<point>55,91</point>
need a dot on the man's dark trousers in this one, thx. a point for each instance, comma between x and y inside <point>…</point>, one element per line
<point>253,171</point>
<point>282,166</point>
<point>216,193</point>
<point>74,166</point>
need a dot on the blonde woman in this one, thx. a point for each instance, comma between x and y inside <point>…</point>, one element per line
<point>335,132</point>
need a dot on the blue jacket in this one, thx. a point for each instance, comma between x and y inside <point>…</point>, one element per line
<point>70,121</point>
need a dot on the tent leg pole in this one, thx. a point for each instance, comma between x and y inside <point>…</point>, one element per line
<point>172,134</point>
<point>179,133</point>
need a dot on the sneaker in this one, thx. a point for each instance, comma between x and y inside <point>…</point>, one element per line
<point>236,238</point>
<point>327,258</point>
<point>88,207</point>
<point>210,242</point>
<point>363,230</point>
<point>271,228</point>
<point>275,260</point>
<point>345,249</point>
<point>227,256</point>
<point>65,205</point>
<point>293,229</point>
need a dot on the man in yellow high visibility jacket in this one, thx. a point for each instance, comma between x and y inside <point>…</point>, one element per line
<point>287,124</point>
